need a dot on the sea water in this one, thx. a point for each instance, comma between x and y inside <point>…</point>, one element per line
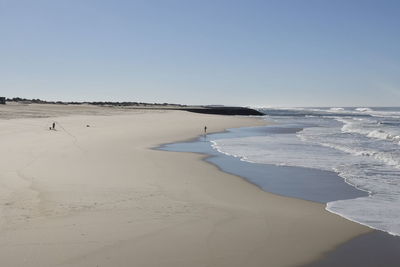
<point>361,144</point>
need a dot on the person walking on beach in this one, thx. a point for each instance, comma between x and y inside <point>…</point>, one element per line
<point>54,126</point>
<point>205,129</point>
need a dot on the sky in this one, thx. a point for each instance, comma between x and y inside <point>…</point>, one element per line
<point>230,52</point>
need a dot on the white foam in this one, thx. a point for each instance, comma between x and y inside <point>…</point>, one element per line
<point>380,134</point>
<point>359,149</point>
<point>336,109</point>
<point>370,128</point>
<point>364,109</point>
<point>368,211</point>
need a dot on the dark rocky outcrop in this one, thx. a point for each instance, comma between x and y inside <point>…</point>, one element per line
<point>225,110</point>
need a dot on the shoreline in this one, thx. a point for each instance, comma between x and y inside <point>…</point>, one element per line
<point>115,201</point>
<point>375,242</point>
<point>327,185</point>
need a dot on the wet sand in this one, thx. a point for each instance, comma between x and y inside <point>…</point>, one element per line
<point>369,250</point>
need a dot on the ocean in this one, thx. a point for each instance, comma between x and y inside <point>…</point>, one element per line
<point>361,145</point>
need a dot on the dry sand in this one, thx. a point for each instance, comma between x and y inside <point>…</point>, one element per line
<point>99,196</point>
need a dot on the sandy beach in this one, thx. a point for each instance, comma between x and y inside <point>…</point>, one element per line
<point>95,193</point>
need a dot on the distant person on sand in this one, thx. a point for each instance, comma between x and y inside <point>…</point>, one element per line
<point>205,129</point>
<point>54,126</point>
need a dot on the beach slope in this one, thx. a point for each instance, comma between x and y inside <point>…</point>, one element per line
<point>94,193</point>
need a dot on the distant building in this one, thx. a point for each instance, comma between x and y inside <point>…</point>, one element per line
<point>2,100</point>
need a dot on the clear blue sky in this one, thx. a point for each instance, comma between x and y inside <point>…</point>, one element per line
<point>263,53</point>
